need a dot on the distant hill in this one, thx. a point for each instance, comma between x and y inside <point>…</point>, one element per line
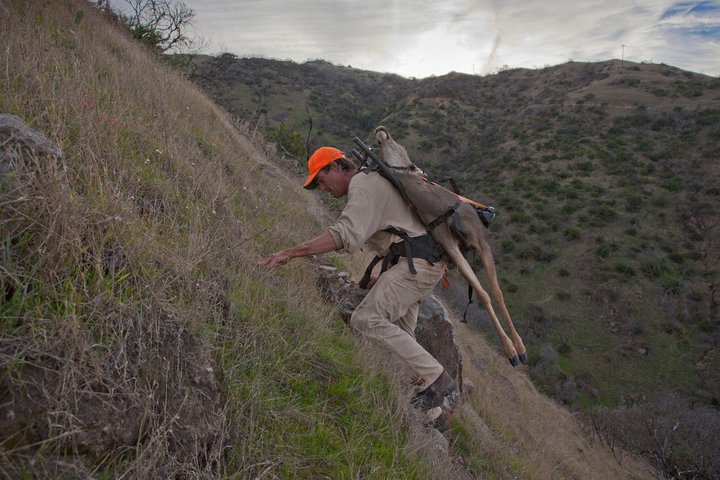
<point>606,180</point>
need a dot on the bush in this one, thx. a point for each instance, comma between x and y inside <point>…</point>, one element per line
<point>633,203</point>
<point>624,269</point>
<point>680,440</point>
<point>572,233</point>
<point>562,295</point>
<point>605,249</point>
<point>290,140</point>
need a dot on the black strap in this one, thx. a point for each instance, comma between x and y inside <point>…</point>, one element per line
<point>470,290</point>
<point>423,246</point>
<point>368,272</point>
<point>441,219</point>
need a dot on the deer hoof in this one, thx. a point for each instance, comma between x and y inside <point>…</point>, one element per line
<point>514,360</point>
<point>524,358</point>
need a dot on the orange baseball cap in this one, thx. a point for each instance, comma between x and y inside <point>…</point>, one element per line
<point>322,157</point>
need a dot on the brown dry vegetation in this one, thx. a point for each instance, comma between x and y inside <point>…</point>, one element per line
<point>138,338</point>
<point>525,434</point>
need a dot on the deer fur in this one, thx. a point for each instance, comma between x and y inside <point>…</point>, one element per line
<point>461,232</point>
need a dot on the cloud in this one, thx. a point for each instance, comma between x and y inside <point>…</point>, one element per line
<point>693,19</point>
<point>423,37</point>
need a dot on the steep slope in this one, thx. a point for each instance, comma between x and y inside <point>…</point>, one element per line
<point>605,179</point>
<point>138,339</point>
<point>607,231</point>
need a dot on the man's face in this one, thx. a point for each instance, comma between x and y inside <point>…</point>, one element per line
<point>332,181</point>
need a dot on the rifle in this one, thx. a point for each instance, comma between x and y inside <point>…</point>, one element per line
<point>367,153</point>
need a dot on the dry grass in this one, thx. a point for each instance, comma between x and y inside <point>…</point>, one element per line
<point>524,433</point>
<point>137,337</point>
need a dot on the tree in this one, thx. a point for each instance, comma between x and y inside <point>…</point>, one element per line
<point>310,138</point>
<point>160,24</point>
<point>289,140</point>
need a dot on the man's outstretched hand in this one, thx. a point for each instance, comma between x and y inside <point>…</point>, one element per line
<point>274,260</point>
<point>321,244</point>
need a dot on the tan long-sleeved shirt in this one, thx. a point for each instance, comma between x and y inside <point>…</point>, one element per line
<point>373,204</point>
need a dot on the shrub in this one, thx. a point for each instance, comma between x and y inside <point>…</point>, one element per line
<point>633,203</point>
<point>572,233</point>
<point>603,213</point>
<point>624,269</point>
<point>584,166</point>
<point>604,249</point>
<point>562,295</point>
<point>543,255</point>
<point>290,140</point>
<point>679,439</point>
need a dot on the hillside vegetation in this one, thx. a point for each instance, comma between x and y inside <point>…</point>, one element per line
<point>605,177</point>
<point>139,340</point>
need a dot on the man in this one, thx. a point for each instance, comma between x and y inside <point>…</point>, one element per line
<point>388,313</point>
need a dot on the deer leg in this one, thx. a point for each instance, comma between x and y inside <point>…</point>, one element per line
<point>497,295</point>
<point>483,298</point>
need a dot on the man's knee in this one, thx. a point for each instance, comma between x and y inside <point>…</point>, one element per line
<point>364,320</point>
<point>358,322</point>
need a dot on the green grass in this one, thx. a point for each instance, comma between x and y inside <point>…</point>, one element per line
<point>465,445</point>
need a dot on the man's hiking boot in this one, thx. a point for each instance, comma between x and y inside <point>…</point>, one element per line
<point>438,419</point>
<point>443,392</point>
<point>441,423</point>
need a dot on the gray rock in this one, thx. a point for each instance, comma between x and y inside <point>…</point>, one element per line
<point>19,143</point>
<point>435,332</point>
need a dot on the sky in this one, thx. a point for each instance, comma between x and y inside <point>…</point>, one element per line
<point>419,38</point>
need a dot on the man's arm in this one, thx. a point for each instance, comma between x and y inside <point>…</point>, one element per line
<point>321,244</point>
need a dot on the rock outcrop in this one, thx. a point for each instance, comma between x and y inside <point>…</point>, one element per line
<point>434,329</point>
<point>19,142</point>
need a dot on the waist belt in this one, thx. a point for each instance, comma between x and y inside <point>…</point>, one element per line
<point>423,246</point>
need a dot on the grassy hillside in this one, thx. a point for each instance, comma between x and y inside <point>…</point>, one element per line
<point>138,339</point>
<point>605,179</point>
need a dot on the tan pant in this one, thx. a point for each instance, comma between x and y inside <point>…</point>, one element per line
<point>388,314</point>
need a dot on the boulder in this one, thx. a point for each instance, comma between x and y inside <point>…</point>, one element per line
<point>19,143</point>
<point>434,331</point>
